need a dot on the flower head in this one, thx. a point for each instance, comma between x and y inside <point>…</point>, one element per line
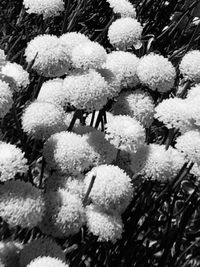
<point>6,99</point>
<point>124,33</point>
<point>136,104</point>
<point>12,161</point>
<point>123,7</point>
<point>106,226</point>
<point>125,133</point>
<point>21,204</point>
<point>193,92</point>
<point>47,8</point>
<point>9,253</point>
<point>112,189</point>
<point>156,72</point>
<point>49,56</point>
<point>47,262</point>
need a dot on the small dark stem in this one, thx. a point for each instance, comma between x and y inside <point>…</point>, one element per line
<point>85,200</point>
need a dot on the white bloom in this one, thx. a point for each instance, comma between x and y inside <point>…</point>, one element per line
<point>124,33</point>
<point>21,204</point>
<point>193,92</point>
<point>156,72</point>
<point>12,161</point>
<point>107,227</point>
<point>64,214</point>
<point>122,7</point>
<point>112,189</point>
<point>137,104</point>
<point>47,8</point>
<point>6,99</point>
<point>47,262</point>
<point>15,75</point>
<point>39,248</point>
<point>125,133</point>
<point>9,253</point>
<point>42,119</point>
<point>88,55</point>
<point>190,66</point>
<point>49,55</point>
<point>123,65</point>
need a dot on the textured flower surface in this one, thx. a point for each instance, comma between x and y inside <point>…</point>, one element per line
<point>88,55</point>
<point>137,104</point>
<point>9,253</point>
<point>6,99</point>
<point>21,204</point>
<point>124,66</point>
<point>161,164</point>
<point>40,248</point>
<point>47,8</point>
<point>125,133</point>
<point>107,227</point>
<point>15,75</point>
<point>112,189</point>
<point>122,7</point>
<point>47,262</point>
<point>156,72</point>
<point>88,90</point>
<point>124,33</point>
<point>49,56</point>
<point>193,92</point>
<point>64,215</point>
<point>42,119</point>
<point>190,66</point>
<point>12,161</point>
<point>189,145</point>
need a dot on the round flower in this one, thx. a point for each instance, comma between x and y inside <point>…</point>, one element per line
<point>40,248</point>
<point>123,7</point>
<point>47,8</point>
<point>124,33</point>
<point>136,104</point>
<point>193,92</point>
<point>47,262</point>
<point>88,91</point>
<point>15,75</point>
<point>125,133</point>
<point>112,189</point>
<point>64,214</point>
<point>156,72</point>
<point>9,253</point>
<point>6,100</point>
<point>189,145</point>
<point>21,204</point>
<point>88,55</point>
<point>123,65</point>
<point>42,119</point>
<point>162,164</point>
<point>190,66</point>
<point>49,56</point>
<point>12,161</point>
<point>107,227</point>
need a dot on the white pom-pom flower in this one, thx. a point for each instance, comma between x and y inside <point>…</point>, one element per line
<point>12,161</point>
<point>47,262</point>
<point>123,65</point>
<point>21,204</point>
<point>105,226</point>
<point>124,33</point>
<point>88,90</point>
<point>42,119</point>
<point>190,66</point>
<point>40,248</point>
<point>88,55</point>
<point>193,92</point>
<point>189,145</point>
<point>122,7</point>
<point>125,133</point>
<point>9,253</point>
<point>137,104</point>
<point>47,8</point>
<point>6,99</point>
<point>112,189</point>
<point>64,214</point>
<point>15,75</point>
<point>161,164</point>
<point>156,72</point>
<point>49,56</point>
